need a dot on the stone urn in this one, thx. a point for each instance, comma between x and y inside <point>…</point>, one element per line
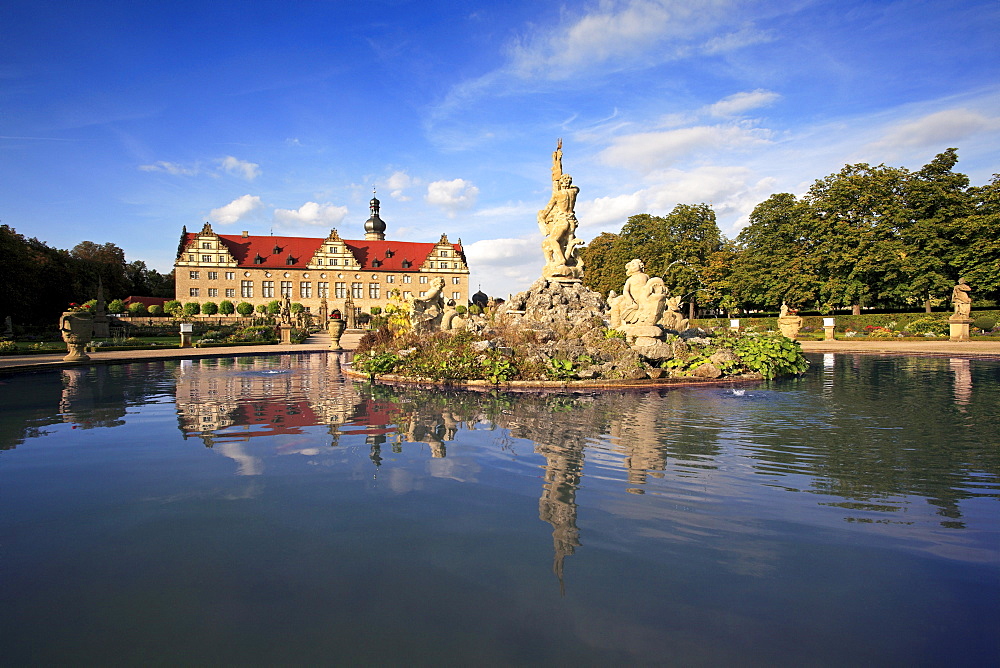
<point>77,329</point>
<point>337,327</point>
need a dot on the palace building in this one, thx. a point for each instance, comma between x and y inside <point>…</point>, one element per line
<point>347,274</point>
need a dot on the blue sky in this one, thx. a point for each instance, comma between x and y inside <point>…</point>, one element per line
<point>123,121</point>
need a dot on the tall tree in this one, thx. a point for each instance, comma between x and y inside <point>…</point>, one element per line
<point>604,269</point>
<point>975,254</point>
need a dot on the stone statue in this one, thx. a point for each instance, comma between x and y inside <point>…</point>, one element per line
<point>450,319</point>
<point>428,312</point>
<point>642,299</point>
<point>673,317</point>
<point>557,222</point>
<point>789,322</point>
<point>8,327</point>
<point>286,310</point>
<point>961,300</point>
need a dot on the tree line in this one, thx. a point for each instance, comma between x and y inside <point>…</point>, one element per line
<point>866,236</point>
<point>38,282</point>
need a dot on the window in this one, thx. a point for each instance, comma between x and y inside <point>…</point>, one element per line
<point>357,290</point>
<point>423,293</point>
<point>340,290</point>
<point>444,253</point>
<point>323,289</point>
<point>390,279</point>
<point>267,289</point>
<point>206,244</point>
<point>194,292</point>
<point>456,295</point>
<point>194,275</point>
<point>230,292</point>
<point>305,290</point>
<point>332,249</point>
<point>213,275</point>
<point>286,289</point>
<point>230,275</point>
<point>423,279</point>
<point>246,289</point>
<point>454,265</point>
<point>406,278</point>
<point>333,262</point>
<point>213,292</point>
<point>407,295</point>
<point>319,260</point>
<point>457,280</point>
<point>258,259</point>
<point>374,291</point>
<point>206,258</point>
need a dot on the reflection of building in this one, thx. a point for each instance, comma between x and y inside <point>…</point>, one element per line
<point>261,269</point>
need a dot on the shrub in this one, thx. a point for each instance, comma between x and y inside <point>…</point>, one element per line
<point>244,309</point>
<point>116,306</point>
<point>156,309</point>
<point>192,308</point>
<point>928,325</point>
<point>209,308</point>
<point>8,348</point>
<point>376,310</point>
<point>254,333</point>
<point>475,309</point>
<point>297,308</point>
<point>985,323</point>
<point>226,307</point>
<point>262,309</point>
<point>271,308</point>
<point>173,307</point>
<point>461,309</point>
<point>137,309</point>
<point>771,355</point>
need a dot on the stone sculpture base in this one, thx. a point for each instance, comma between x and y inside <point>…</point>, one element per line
<point>828,331</point>
<point>959,328</point>
<point>790,325</point>
<point>76,352</point>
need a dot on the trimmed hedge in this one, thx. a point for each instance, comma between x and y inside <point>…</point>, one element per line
<point>844,323</point>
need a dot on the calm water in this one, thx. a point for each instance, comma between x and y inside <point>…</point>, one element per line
<point>268,511</point>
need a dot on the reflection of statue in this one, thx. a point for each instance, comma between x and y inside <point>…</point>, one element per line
<point>961,300</point>
<point>557,221</point>
<point>428,312</point>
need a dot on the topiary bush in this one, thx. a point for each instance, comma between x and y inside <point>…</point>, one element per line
<point>226,307</point>
<point>156,309</point>
<point>137,309</point>
<point>985,323</point>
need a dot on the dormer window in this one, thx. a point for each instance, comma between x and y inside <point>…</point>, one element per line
<point>376,262</point>
<point>389,253</point>
<point>289,259</point>
<point>258,259</point>
<point>407,264</point>
<point>277,249</point>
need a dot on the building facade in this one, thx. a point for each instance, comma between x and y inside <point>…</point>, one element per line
<point>356,274</point>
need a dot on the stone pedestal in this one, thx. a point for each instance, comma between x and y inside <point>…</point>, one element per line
<point>959,328</point>
<point>828,333</point>
<point>336,327</point>
<point>790,325</point>
<point>285,331</point>
<point>186,339</point>
<point>77,330</point>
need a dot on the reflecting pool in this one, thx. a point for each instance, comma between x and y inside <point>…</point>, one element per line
<point>264,511</point>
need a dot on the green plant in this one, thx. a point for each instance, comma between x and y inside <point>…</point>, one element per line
<point>226,307</point>
<point>297,308</point>
<point>928,325</point>
<point>137,309</point>
<point>273,307</point>
<point>985,323</point>
<point>498,368</point>
<point>8,348</point>
<point>374,363</point>
<point>560,369</point>
<point>156,309</point>
<point>376,310</point>
<point>209,308</point>
<point>613,334</point>
<point>116,306</point>
<point>192,308</point>
<point>244,309</point>
<point>771,355</point>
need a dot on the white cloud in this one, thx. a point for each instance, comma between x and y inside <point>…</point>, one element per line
<point>504,266</point>
<point>617,33</point>
<point>738,103</point>
<point>746,36</point>
<point>248,170</point>
<point>937,129</point>
<point>397,183</point>
<point>311,213</point>
<point>170,168</point>
<point>644,151</point>
<point>452,196</point>
<point>236,210</point>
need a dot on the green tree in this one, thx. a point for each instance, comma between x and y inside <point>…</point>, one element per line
<point>192,308</point>
<point>975,254</point>
<point>226,307</point>
<point>173,307</point>
<point>297,308</point>
<point>116,306</point>
<point>604,262</point>
<point>156,310</point>
<point>209,308</point>
<point>272,307</point>
<point>104,263</point>
<point>137,309</point>
<point>776,257</point>
<point>244,309</point>
<point>262,309</point>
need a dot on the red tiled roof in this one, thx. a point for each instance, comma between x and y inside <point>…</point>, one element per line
<point>148,301</point>
<point>245,249</point>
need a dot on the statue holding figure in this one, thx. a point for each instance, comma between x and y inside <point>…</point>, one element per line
<point>642,301</point>
<point>673,317</point>
<point>428,312</point>
<point>961,300</point>
<point>557,222</point>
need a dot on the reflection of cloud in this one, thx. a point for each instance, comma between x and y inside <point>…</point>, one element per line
<point>248,464</point>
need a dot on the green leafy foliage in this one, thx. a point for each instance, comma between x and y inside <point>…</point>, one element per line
<point>137,309</point>
<point>771,355</point>
<point>209,308</point>
<point>226,307</point>
<point>244,309</point>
